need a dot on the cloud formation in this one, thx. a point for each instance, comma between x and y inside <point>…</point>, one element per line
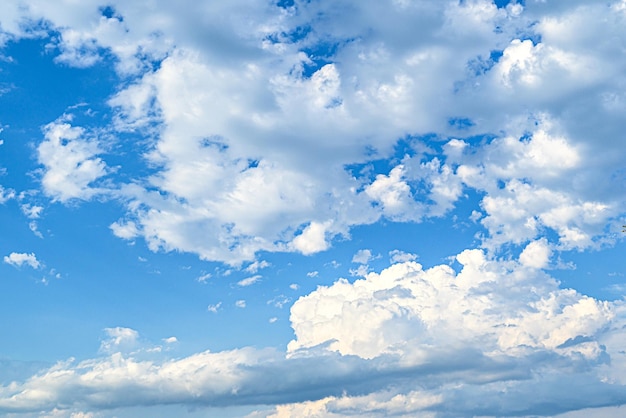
<point>281,128</point>
<point>19,259</point>
<point>403,341</point>
<point>301,97</point>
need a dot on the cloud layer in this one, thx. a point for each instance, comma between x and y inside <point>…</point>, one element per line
<point>270,113</point>
<point>400,342</point>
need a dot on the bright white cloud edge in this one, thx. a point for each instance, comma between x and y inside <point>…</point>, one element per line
<point>508,341</point>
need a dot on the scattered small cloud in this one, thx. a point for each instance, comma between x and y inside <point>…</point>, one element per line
<point>6,194</point>
<point>360,271</point>
<point>124,230</point>
<point>334,264</point>
<point>294,286</point>
<point>272,320</point>
<point>32,225</point>
<point>19,259</point>
<point>119,339</point>
<point>204,278</point>
<point>214,308</point>
<point>362,256</point>
<point>279,301</point>
<point>313,273</point>
<point>397,256</point>
<point>31,211</point>
<point>240,303</point>
<point>249,281</point>
<point>256,266</point>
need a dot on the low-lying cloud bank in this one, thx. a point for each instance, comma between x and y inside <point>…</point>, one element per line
<point>497,338</point>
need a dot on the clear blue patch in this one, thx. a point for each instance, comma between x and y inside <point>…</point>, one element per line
<point>110,13</point>
<point>495,55</point>
<point>481,65</point>
<point>501,4</point>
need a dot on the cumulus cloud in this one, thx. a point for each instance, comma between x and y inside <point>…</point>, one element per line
<point>362,256</point>
<point>71,162</point>
<point>403,341</point>
<point>273,150</point>
<point>407,309</point>
<point>19,259</point>
<point>412,107</point>
<point>536,254</point>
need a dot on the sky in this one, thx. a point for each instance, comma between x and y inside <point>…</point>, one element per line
<point>306,208</point>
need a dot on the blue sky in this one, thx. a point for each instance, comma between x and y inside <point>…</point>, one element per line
<point>308,208</point>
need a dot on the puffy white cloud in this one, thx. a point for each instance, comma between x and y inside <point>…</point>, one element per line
<point>270,127</point>
<point>405,341</point>
<point>70,161</point>
<point>312,239</point>
<point>398,256</point>
<point>362,256</point>
<point>127,230</point>
<point>19,259</point>
<point>497,307</point>
<point>536,254</point>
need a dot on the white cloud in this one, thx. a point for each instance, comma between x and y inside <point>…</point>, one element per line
<point>394,194</point>
<point>126,230</point>
<point>256,266</point>
<point>279,301</point>
<point>272,149</point>
<point>6,194</point>
<point>407,308</point>
<point>119,339</point>
<point>313,239</point>
<point>240,303</point>
<point>203,278</point>
<point>383,345</point>
<point>214,308</point>
<point>362,256</point>
<point>536,254</point>
<point>249,280</point>
<point>31,211</point>
<point>398,256</point>
<point>70,161</point>
<point>19,259</point>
